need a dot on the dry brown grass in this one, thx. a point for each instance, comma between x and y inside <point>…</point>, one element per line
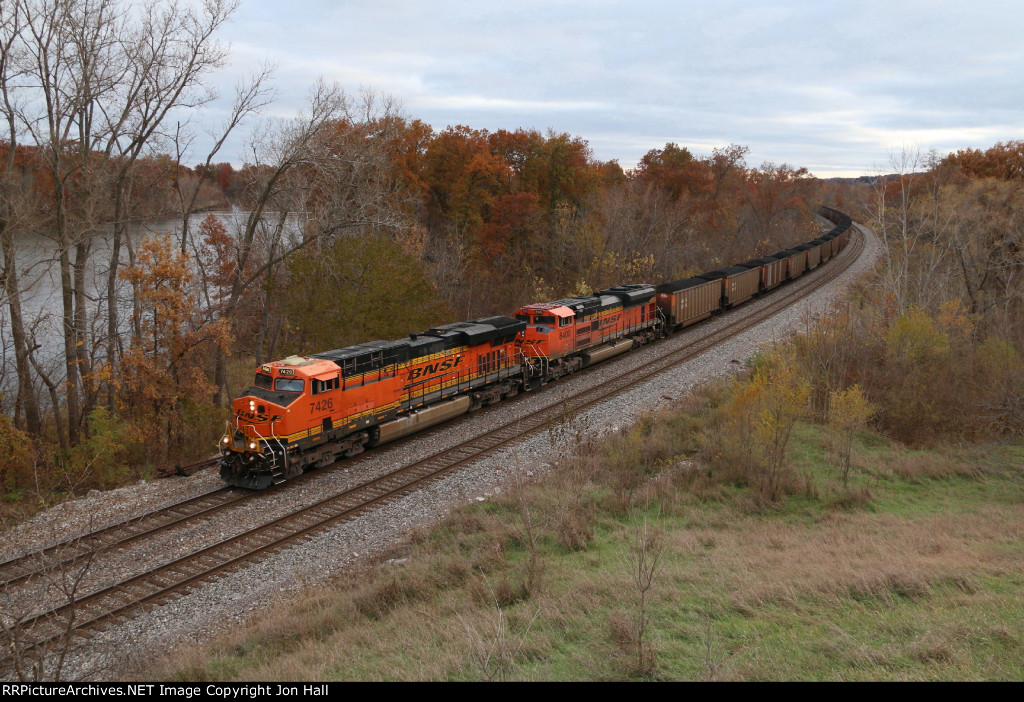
<point>859,555</point>
<point>940,465</point>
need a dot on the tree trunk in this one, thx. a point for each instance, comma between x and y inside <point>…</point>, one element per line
<point>113,338</point>
<point>27,400</point>
<point>70,341</point>
<point>82,357</point>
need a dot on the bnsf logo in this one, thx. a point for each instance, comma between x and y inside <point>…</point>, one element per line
<point>431,368</point>
<point>254,417</point>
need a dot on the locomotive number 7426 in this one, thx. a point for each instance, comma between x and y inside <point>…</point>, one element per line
<point>325,405</point>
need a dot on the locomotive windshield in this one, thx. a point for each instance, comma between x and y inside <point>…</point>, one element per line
<point>288,384</point>
<point>544,319</point>
<point>263,381</point>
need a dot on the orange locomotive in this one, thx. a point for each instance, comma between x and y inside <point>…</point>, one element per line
<point>308,411</point>
<point>563,336</point>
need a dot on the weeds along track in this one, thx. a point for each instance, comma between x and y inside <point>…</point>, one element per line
<point>111,604</point>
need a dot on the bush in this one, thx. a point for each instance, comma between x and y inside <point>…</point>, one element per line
<point>17,457</point>
<point>115,451</point>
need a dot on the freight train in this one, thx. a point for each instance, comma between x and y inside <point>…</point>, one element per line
<point>308,411</point>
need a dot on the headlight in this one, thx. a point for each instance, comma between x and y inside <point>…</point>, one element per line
<point>226,440</point>
<point>252,445</point>
<point>252,406</point>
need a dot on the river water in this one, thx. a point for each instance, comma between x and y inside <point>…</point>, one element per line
<point>39,278</point>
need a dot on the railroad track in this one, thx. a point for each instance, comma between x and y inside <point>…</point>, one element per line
<point>123,599</point>
<point>68,553</point>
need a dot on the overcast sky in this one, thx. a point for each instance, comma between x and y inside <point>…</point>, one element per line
<point>833,86</point>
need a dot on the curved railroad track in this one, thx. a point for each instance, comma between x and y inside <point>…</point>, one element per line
<point>101,607</point>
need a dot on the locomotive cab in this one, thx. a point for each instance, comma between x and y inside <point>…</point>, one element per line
<point>273,414</point>
<point>550,330</point>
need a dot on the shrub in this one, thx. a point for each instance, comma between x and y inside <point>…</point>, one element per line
<point>17,456</point>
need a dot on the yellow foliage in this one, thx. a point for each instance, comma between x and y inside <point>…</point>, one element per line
<point>164,368</point>
<point>16,456</point>
<point>758,420</point>
<point>955,321</point>
<point>849,411</point>
<point>914,339</point>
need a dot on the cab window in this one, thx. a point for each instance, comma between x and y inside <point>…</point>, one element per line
<point>564,321</point>
<point>263,381</point>
<point>545,319</point>
<point>288,384</point>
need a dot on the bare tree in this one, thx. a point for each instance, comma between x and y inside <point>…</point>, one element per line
<point>250,99</point>
<point>87,86</point>
<point>319,176</point>
<point>12,208</point>
<point>642,557</point>
<point>37,648</point>
<point>911,228</point>
<point>167,52</point>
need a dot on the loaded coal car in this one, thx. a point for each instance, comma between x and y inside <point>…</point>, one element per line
<point>796,262</point>
<point>308,411</point>
<point>841,231</point>
<point>828,247</point>
<point>565,335</point>
<point>773,271</point>
<point>813,252</point>
<point>824,248</point>
<point>738,284</point>
<point>688,300</point>
<point>834,239</point>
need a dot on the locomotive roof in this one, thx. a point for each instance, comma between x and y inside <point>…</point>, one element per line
<point>632,294</point>
<point>580,304</point>
<point>478,330</point>
<point>372,355</point>
<point>545,306</point>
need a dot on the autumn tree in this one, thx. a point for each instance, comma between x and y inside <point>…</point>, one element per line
<point>166,368</point>
<point>462,175</point>
<point>782,400</point>
<point>1004,161</point>
<point>16,456</point>
<point>639,219</point>
<point>675,170</point>
<point>773,191</point>
<point>849,412</point>
<point>986,244</point>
